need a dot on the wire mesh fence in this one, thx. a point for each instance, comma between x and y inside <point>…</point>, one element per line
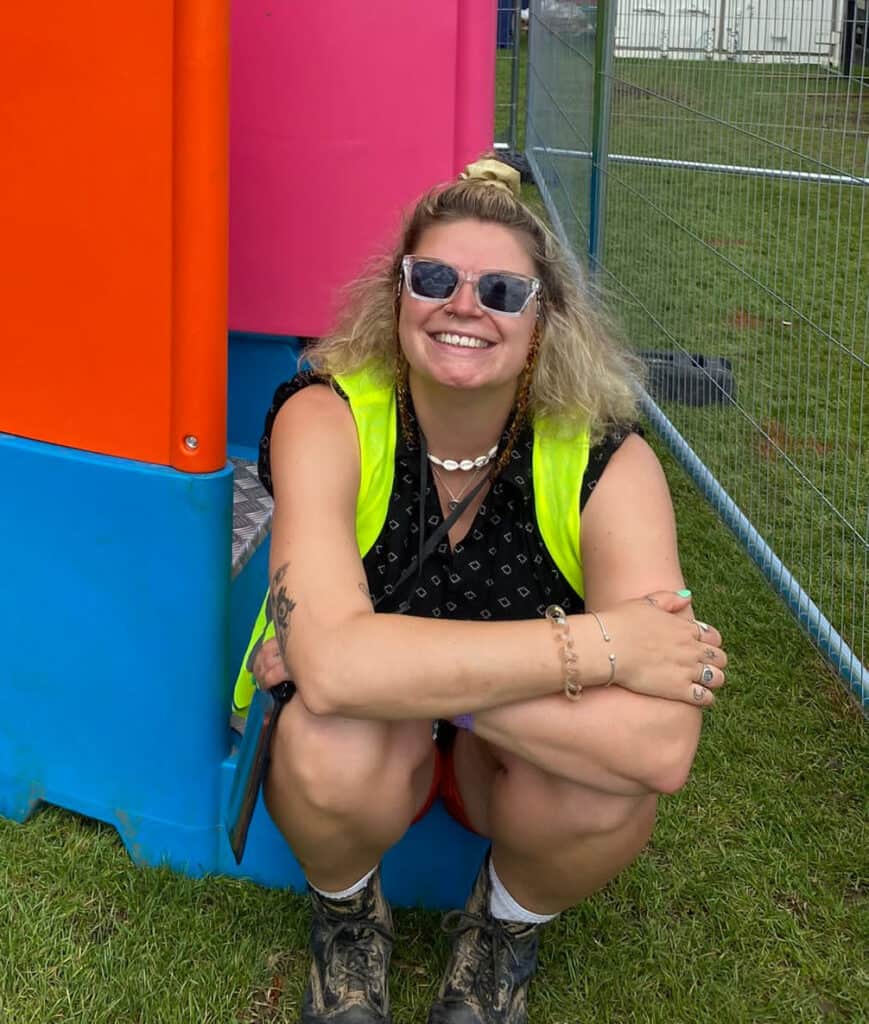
<point>512,28</point>
<point>732,196</point>
<point>560,112</point>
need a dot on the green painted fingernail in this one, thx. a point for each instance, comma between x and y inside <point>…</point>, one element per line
<point>684,593</point>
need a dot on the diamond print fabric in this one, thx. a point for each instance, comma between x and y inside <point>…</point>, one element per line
<point>500,571</point>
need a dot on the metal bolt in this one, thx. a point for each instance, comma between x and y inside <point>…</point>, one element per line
<point>191,442</point>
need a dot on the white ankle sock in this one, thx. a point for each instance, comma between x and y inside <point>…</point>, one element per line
<point>345,894</point>
<point>503,907</point>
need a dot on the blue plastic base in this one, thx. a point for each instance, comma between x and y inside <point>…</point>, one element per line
<point>120,636</point>
<point>114,639</point>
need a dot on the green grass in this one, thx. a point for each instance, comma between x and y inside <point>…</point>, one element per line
<point>798,117</point>
<point>749,906</point>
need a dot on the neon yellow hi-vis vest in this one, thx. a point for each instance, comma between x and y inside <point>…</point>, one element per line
<point>558,465</point>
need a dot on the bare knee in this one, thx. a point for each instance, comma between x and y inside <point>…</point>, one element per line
<point>336,765</point>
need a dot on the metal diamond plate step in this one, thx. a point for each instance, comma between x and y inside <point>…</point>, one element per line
<point>251,513</point>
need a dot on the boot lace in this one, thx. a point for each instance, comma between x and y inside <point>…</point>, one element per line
<point>352,958</point>
<point>494,941</point>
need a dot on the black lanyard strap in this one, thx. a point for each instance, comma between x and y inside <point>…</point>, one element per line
<point>443,528</point>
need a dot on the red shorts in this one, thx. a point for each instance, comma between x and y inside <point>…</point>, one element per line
<point>445,786</point>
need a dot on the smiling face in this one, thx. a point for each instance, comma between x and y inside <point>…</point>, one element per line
<point>457,343</point>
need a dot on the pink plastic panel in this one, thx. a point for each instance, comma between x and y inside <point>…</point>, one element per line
<point>342,113</point>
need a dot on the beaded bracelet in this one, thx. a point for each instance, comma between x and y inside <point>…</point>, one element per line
<point>572,685</point>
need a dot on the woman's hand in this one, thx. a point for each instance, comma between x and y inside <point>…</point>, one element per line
<point>662,654</point>
<point>268,665</point>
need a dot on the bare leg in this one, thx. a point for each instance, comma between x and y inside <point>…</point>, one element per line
<point>344,791</point>
<point>553,841</point>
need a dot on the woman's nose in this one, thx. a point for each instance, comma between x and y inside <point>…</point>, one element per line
<point>464,302</point>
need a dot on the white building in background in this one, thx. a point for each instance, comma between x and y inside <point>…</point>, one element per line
<point>756,31</point>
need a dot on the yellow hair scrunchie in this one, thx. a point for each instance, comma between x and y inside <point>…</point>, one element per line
<point>495,173</point>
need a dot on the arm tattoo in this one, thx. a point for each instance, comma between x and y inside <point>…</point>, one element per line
<point>282,605</point>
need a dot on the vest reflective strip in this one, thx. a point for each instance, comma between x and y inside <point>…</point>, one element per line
<point>558,466</point>
<point>373,408</point>
<point>245,684</point>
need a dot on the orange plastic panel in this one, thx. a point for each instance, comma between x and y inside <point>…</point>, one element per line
<point>113,185</point>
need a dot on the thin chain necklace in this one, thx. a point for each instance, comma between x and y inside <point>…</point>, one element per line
<point>452,504</point>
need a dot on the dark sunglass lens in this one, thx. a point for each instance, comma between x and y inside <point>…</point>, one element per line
<point>504,293</point>
<point>433,280</point>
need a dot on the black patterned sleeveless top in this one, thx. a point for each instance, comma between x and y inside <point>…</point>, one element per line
<point>500,571</point>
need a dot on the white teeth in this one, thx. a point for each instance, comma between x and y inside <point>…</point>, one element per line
<point>461,341</point>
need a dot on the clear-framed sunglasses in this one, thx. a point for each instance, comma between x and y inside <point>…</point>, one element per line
<point>496,291</point>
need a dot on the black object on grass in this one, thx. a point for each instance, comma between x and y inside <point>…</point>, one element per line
<point>692,379</point>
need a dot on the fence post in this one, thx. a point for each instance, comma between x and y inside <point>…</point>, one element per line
<point>514,79</point>
<point>603,66</point>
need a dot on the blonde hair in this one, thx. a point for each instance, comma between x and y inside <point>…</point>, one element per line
<point>581,377</point>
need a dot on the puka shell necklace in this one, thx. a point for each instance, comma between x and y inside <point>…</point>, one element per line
<point>450,465</point>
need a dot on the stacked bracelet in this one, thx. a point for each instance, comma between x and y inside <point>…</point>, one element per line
<point>572,685</point>
<point>464,722</point>
<point>607,639</point>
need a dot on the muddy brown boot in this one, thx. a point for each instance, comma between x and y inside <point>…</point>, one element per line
<point>351,944</point>
<point>492,961</point>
